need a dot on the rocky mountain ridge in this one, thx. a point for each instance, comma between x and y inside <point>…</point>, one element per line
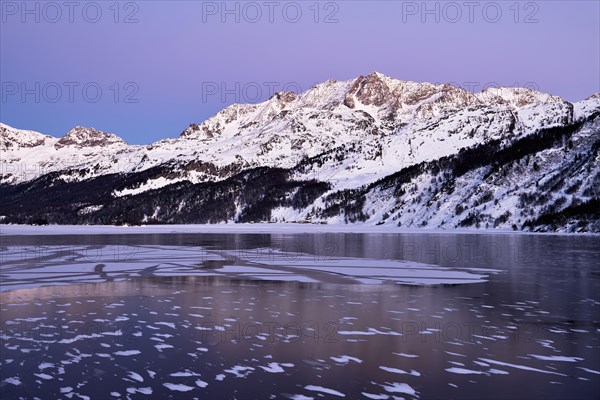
<point>336,141</point>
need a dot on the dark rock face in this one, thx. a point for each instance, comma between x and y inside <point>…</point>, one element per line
<point>286,97</point>
<point>198,130</point>
<point>369,90</point>
<point>373,91</point>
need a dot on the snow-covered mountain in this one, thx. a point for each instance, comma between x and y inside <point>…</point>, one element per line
<point>340,139</point>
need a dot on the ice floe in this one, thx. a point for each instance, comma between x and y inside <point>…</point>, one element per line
<point>325,390</point>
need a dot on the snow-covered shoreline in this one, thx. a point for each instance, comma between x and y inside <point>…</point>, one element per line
<point>258,228</point>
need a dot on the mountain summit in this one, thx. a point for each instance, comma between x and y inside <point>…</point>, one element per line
<point>88,137</point>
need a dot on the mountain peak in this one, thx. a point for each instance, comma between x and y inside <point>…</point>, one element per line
<point>376,75</point>
<point>394,97</point>
<point>82,136</point>
<point>594,96</point>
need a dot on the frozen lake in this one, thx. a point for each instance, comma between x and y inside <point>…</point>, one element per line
<point>299,315</point>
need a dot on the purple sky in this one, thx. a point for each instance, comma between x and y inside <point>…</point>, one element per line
<point>179,55</point>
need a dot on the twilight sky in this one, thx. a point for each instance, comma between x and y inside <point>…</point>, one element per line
<point>162,65</point>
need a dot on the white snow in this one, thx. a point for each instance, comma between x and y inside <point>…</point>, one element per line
<point>382,396</point>
<point>325,390</point>
<point>183,374</point>
<point>556,358</point>
<point>591,371</point>
<point>369,332</point>
<point>464,371</point>
<point>143,390</point>
<point>399,371</point>
<point>240,371</point>
<point>406,355</point>
<point>399,388</point>
<point>135,376</point>
<point>200,383</point>
<point>346,359</point>
<point>169,324</point>
<point>44,376</point>
<point>276,367</point>
<point>518,366</point>
<point>13,381</point>
<point>160,347</point>
<point>127,352</point>
<point>178,387</point>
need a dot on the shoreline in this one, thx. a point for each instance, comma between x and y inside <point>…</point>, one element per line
<point>258,228</point>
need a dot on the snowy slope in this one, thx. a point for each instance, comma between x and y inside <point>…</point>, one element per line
<point>347,134</point>
<point>411,121</point>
